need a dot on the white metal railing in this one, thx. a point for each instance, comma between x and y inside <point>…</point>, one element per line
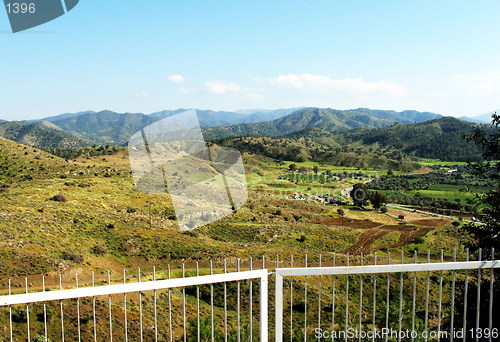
<point>352,301</point>
<point>365,296</point>
<point>138,288</point>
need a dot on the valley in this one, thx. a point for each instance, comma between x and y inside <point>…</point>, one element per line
<point>72,213</point>
<point>77,208</point>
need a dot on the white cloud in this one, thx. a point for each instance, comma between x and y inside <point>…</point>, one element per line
<point>222,87</point>
<point>327,84</point>
<point>176,78</point>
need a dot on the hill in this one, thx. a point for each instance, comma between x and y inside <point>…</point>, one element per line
<point>440,138</point>
<point>43,135</point>
<point>62,116</point>
<point>325,119</point>
<point>105,127</point>
<point>316,145</point>
<point>386,147</point>
<point>108,127</point>
<point>22,163</point>
<point>207,118</point>
<point>267,115</point>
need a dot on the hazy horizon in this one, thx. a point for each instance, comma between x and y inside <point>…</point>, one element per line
<point>251,110</point>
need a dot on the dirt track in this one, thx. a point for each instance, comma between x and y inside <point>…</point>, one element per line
<point>408,234</point>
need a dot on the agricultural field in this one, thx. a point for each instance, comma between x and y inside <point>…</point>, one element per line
<point>452,192</point>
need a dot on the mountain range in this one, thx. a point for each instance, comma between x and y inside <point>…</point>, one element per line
<point>323,118</point>
<point>441,138</point>
<point>412,132</point>
<point>108,127</point>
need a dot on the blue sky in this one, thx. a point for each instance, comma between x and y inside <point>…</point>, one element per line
<point>145,56</point>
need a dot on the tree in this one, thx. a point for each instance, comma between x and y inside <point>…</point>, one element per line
<point>359,194</point>
<point>487,233</point>
<point>341,214</point>
<point>378,199</point>
<point>292,167</point>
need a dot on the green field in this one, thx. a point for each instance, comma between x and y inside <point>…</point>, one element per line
<point>451,192</point>
<point>431,162</point>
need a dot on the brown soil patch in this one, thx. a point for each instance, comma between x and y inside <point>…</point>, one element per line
<point>351,223</point>
<point>424,169</point>
<point>431,222</point>
<point>366,239</point>
<point>399,228</point>
<point>408,237</point>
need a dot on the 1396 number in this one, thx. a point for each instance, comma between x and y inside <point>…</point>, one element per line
<point>23,8</point>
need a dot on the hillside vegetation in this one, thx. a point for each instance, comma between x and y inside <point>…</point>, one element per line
<point>323,118</point>
<point>57,215</point>
<point>441,139</point>
<point>43,135</point>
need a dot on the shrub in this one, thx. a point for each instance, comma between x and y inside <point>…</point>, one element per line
<point>191,233</point>
<point>59,198</point>
<point>384,210</point>
<point>419,240</point>
<point>20,316</point>
<point>99,250</point>
<point>40,317</point>
<point>73,257</point>
<point>302,238</point>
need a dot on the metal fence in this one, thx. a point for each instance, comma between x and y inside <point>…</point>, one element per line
<point>196,308</point>
<point>337,297</point>
<point>391,302</point>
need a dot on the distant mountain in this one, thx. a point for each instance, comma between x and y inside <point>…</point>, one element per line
<point>207,118</point>
<point>106,127</point>
<point>267,115</point>
<point>406,116</point>
<point>469,119</point>
<point>486,118</point>
<point>440,138</point>
<point>325,119</point>
<point>43,135</point>
<point>62,116</point>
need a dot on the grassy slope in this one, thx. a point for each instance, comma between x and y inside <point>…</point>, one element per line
<point>104,209</point>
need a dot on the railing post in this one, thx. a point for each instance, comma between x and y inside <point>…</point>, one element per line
<point>279,307</point>
<point>264,308</point>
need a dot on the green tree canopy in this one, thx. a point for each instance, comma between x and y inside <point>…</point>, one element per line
<point>487,233</point>
<point>360,194</point>
<point>378,199</point>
